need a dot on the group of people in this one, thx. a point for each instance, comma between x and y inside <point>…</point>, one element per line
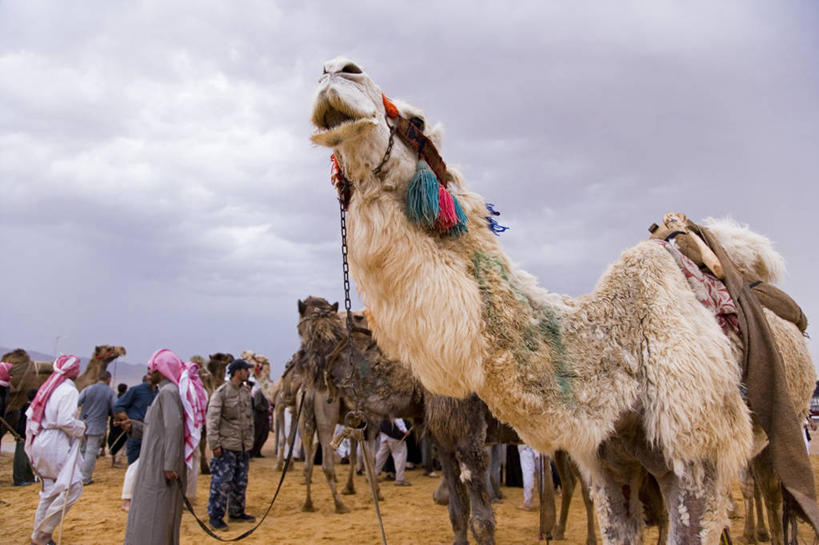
<point>162,419</point>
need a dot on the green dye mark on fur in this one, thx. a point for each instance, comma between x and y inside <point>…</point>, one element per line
<point>525,339</point>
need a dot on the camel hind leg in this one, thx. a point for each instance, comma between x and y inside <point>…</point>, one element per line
<point>307,428</point>
<point>768,484</point>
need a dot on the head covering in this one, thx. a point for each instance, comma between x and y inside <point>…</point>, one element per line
<point>235,365</point>
<point>5,373</point>
<point>65,367</point>
<point>191,392</point>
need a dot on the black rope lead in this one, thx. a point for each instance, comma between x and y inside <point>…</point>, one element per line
<point>204,526</point>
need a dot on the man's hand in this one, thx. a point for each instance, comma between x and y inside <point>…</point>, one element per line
<point>217,452</point>
<point>170,475</point>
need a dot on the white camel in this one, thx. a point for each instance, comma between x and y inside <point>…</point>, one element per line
<point>635,373</point>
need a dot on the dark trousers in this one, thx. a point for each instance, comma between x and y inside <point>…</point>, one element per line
<point>21,471</point>
<point>228,483</point>
<point>132,447</point>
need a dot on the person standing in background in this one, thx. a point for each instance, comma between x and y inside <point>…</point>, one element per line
<point>21,470</point>
<point>97,403</point>
<point>53,437</point>
<point>230,437</point>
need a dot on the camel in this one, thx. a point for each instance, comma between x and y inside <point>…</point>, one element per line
<point>383,389</point>
<point>284,399</point>
<point>212,376</point>
<point>636,375</point>
<point>103,355</point>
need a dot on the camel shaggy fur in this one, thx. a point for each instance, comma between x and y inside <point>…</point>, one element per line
<point>636,374</point>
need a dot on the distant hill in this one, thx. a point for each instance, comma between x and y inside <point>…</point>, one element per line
<point>122,371</point>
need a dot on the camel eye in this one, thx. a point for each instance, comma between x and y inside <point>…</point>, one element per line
<point>419,123</point>
<point>351,69</point>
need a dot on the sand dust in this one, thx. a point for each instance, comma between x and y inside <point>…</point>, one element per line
<point>410,516</point>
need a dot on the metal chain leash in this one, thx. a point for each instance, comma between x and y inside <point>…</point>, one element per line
<point>357,413</point>
<point>348,305</point>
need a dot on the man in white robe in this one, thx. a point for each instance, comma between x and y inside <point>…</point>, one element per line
<point>53,435</point>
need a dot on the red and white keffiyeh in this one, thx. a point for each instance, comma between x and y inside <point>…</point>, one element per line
<point>709,290</point>
<point>191,392</point>
<point>65,367</point>
<point>5,373</point>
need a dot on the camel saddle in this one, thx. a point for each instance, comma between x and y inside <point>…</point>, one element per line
<point>764,377</point>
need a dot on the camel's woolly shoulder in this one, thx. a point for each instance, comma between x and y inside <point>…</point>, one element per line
<point>753,253</point>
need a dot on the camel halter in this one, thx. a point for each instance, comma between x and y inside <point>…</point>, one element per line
<point>429,202</point>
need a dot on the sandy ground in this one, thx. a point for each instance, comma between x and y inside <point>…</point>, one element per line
<point>410,516</point>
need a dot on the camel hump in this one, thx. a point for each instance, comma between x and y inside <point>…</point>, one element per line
<point>752,253</point>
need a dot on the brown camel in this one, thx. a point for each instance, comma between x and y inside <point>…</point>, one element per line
<point>103,355</point>
<point>384,388</point>
<point>285,399</point>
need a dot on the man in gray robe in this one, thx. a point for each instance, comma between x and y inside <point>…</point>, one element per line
<point>156,506</point>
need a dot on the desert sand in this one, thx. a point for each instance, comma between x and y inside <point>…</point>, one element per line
<point>409,514</point>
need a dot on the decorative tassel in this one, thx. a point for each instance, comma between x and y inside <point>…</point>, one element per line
<point>460,227</point>
<point>446,215</point>
<point>494,226</point>
<point>422,196</point>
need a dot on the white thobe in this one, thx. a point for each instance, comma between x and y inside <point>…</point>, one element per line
<point>54,455</point>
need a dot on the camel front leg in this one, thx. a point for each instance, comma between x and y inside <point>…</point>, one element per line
<point>749,491</point>
<point>474,463</point>
<point>567,482</point>
<point>349,488</point>
<point>591,534</point>
<point>696,506</point>
<point>458,505</point>
<point>326,418</point>
<point>615,492</point>
<point>306,430</point>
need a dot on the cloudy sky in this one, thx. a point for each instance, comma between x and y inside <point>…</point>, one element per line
<point>158,187</point>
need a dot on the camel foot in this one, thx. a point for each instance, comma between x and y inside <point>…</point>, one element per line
<point>746,539</point>
<point>348,491</point>
<point>559,534</point>
<point>341,508</point>
<point>308,507</point>
<point>763,535</point>
<point>279,466</point>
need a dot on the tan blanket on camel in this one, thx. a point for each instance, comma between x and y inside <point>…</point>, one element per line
<point>764,376</point>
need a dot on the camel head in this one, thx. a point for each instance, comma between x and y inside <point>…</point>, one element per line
<point>17,357</point>
<point>352,116</point>
<point>319,322</point>
<point>217,363</point>
<point>107,354</point>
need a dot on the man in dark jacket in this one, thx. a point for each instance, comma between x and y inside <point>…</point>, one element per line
<point>132,406</point>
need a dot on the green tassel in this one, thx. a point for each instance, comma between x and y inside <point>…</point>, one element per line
<point>422,196</point>
<point>460,227</point>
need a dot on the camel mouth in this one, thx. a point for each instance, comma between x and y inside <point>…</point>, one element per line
<point>335,118</point>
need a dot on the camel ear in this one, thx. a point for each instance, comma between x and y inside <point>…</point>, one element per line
<point>334,306</point>
<point>302,308</point>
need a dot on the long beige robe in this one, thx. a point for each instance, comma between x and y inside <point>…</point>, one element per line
<point>156,507</point>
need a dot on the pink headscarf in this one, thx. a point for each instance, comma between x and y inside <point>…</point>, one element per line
<point>5,373</point>
<point>191,392</point>
<point>65,367</point>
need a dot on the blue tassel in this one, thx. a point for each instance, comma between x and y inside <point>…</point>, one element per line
<point>494,226</point>
<point>422,196</point>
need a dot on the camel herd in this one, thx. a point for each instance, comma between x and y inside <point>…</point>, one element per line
<point>639,387</point>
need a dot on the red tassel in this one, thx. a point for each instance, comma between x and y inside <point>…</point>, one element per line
<point>335,171</point>
<point>447,218</point>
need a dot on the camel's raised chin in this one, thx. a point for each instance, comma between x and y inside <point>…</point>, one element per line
<point>342,107</point>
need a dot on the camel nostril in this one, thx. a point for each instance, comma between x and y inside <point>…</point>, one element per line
<point>351,68</point>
